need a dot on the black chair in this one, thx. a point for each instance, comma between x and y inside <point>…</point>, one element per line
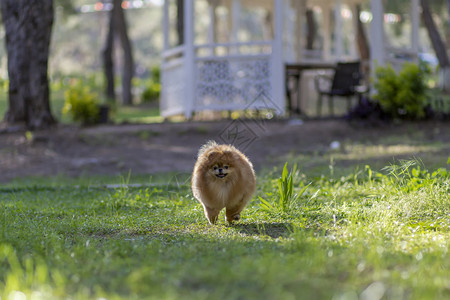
<point>343,83</point>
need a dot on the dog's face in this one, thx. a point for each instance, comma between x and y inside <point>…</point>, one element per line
<point>221,170</point>
<point>221,164</point>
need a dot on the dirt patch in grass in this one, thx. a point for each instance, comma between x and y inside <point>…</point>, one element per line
<point>172,147</point>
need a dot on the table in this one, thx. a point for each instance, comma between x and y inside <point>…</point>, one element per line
<point>294,71</point>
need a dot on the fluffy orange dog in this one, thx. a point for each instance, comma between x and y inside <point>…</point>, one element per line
<point>223,177</point>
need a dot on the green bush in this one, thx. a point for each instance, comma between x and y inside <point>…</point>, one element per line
<point>153,86</point>
<point>439,102</point>
<point>4,85</point>
<point>81,103</point>
<point>402,95</point>
<point>156,73</point>
<point>151,92</point>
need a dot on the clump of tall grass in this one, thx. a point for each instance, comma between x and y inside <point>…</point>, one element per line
<point>287,198</point>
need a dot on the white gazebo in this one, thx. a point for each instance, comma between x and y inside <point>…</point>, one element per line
<point>222,66</point>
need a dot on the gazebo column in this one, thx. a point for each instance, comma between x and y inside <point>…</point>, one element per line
<point>300,9</point>
<point>235,19</point>
<point>338,42</point>
<point>326,14</point>
<point>212,23</point>
<point>166,25</point>
<point>189,56</point>
<point>377,49</point>
<point>415,22</point>
<point>289,44</point>
<point>354,42</point>
<point>277,80</point>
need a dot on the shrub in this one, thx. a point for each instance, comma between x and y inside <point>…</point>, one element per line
<point>4,84</point>
<point>81,103</point>
<point>439,103</point>
<point>151,92</point>
<point>153,86</point>
<point>402,95</point>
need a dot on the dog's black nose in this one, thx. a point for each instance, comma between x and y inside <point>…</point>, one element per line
<point>220,170</point>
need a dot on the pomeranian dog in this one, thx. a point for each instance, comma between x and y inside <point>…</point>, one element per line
<point>223,177</point>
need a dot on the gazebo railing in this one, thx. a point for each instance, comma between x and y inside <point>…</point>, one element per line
<point>220,49</point>
<point>175,52</point>
<point>397,56</point>
<point>222,76</point>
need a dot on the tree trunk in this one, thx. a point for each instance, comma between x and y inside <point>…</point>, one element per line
<point>128,64</point>
<point>438,46</point>
<point>180,21</point>
<point>433,33</point>
<point>28,26</point>
<point>447,30</point>
<point>108,62</point>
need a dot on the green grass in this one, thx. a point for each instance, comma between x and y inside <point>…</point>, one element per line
<point>138,114</point>
<point>366,234</point>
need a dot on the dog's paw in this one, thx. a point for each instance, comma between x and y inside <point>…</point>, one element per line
<point>233,218</point>
<point>213,220</point>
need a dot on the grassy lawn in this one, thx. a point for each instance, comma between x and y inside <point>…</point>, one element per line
<point>367,234</point>
<point>353,231</point>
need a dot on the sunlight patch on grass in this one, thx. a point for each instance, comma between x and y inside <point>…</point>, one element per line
<point>354,156</point>
<point>357,151</point>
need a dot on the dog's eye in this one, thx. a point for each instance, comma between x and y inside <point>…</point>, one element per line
<point>215,168</point>
<point>226,167</point>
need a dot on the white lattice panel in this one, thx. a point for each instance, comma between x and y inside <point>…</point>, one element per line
<point>232,83</point>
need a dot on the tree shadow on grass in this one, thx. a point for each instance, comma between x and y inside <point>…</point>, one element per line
<point>273,230</point>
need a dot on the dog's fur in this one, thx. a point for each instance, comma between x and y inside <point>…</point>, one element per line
<point>223,177</point>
